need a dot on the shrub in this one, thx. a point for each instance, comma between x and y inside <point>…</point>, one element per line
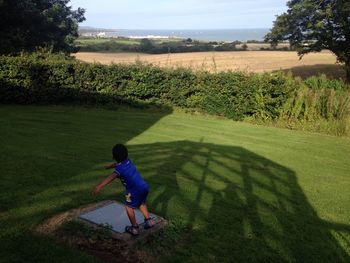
<point>55,79</point>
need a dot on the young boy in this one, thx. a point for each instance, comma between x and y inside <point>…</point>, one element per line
<point>136,189</point>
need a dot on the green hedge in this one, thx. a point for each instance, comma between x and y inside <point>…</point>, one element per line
<point>54,79</point>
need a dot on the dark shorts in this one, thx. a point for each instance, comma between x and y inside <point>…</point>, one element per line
<point>136,197</point>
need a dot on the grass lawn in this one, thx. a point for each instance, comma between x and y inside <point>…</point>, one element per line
<point>246,193</point>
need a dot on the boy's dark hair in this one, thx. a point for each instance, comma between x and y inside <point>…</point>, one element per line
<point>120,153</point>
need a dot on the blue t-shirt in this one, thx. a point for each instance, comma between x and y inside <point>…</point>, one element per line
<point>129,176</point>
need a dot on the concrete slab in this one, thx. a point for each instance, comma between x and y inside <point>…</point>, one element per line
<point>51,227</point>
<point>113,215</point>
<point>116,246</point>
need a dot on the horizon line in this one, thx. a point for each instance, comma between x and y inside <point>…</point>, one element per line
<point>237,28</point>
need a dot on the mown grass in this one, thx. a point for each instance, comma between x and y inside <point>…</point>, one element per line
<point>245,193</point>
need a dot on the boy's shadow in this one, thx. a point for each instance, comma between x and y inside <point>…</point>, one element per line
<point>239,206</point>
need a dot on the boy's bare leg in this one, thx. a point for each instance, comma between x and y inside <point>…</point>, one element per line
<point>144,210</point>
<point>131,215</point>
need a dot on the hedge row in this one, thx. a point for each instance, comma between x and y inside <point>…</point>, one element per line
<point>54,79</point>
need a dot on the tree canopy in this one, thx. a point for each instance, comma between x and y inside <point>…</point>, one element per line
<point>29,24</point>
<point>314,25</point>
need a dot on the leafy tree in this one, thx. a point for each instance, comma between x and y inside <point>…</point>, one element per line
<point>313,25</point>
<point>29,24</point>
<point>146,45</point>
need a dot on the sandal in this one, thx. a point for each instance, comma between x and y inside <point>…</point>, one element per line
<point>133,230</point>
<point>148,223</point>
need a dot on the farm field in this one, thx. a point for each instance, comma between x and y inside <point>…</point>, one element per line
<point>246,193</point>
<point>94,41</point>
<point>254,61</point>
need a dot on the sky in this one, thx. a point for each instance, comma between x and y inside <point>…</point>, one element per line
<point>180,14</point>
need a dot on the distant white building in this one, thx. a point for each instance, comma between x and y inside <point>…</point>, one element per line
<point>101,34</point>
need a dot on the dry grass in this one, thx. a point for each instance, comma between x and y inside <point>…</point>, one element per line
<point>255,61</point>
<point>258,46</point>
<point>332,71</point>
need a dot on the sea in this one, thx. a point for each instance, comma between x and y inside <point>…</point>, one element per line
<point>226,35</point>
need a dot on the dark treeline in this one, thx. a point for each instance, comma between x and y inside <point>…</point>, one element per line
<point>154,47</point>
<point>27,25</point>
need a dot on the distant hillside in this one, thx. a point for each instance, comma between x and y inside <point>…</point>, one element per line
<point>88,29</point>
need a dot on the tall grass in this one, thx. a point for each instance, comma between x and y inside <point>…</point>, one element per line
<point>309,104</point>
<point>318,109</point>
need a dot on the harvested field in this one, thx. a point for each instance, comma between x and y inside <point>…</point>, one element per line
<point>255,61</point>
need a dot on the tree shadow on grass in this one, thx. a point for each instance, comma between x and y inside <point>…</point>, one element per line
<point>332,71</point>
<point>239,206</point>
<point>47,158</point>
<point>48,146</point>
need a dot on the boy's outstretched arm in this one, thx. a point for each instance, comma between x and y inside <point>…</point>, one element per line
<point>105,182</point>
<point>110,166</point>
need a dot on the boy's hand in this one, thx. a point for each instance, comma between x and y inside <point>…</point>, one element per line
<point>95,191</point>
<point>100,186</point>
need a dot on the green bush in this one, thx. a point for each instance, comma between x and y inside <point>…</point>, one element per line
<point>55,79</point>
<point>153,46</point>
